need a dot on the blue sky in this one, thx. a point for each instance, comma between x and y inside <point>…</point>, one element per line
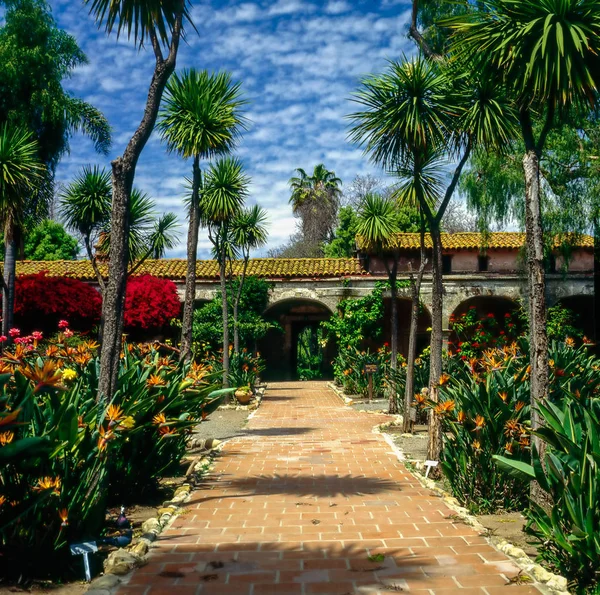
<point>298,61</point>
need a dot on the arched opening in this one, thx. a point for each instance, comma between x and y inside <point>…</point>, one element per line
<point>404,310</point>
<point>296,345</point>
<point>496,314</point>
<point>582,307</point>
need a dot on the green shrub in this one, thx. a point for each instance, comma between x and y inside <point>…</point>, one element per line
<point>485,412</point>
<point>244,368</point>
<point>569,470</point>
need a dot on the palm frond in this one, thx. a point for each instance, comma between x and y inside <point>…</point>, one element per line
<point>377,221</point>
<point>224,190</point>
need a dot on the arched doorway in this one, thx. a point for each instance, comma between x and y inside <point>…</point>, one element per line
<point>298,338</point>
<point>582,307</point>
<point>404,310</point>
<point>498,308</point>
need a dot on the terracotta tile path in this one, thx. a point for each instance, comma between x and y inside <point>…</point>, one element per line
<point>304,504</point>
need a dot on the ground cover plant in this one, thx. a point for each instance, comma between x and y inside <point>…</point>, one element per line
<point>65,455</point>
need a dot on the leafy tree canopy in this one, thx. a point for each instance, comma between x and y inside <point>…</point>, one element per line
<point>49,241</point>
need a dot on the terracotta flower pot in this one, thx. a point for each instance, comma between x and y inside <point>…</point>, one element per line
<point>243,396</point>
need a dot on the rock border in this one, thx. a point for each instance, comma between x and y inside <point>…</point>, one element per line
<point>545,580</point>
<point>120,563</point>
<point>340,393</point>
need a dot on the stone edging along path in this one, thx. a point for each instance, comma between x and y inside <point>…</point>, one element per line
<point>311,501</point>
<point>555,582</point>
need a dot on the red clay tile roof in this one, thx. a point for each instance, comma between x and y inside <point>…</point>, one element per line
<point>507,240</point>
<point>272,268</point>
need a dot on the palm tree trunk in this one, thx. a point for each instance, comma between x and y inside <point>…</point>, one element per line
<point>225,307</point>
<point>392,274</point>
<point>10,269</point>
<point>415,287</point>
<point>123,173</point>
<point>435,370</point>
<point>190,278</point>
<point>538,338</point>
<point>236,305</point>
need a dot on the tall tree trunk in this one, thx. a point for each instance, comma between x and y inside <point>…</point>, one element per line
<point>190,278</point>
<point>236,305</point>
<point>415,288</point>
<point>435,370</point>
<point>538,338</point>
<point>123,173</point>
<point>393,402</point>
<point>225,307</point>
<point>10,269</point>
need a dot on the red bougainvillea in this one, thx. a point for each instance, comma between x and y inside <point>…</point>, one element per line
<point>150,303</point>
<point>41,301</point>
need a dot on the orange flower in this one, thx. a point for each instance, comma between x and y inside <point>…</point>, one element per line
<point>41,376</point>
<point>420,399</point>
<point>155,380</point>
<point>477,446</point>
<point>444,379</point>
<point>508,447</point>
<point>91,345</point>
<point>512,427</point>
<point>51,351</point>
<point>347,372</point>
<point>461,417</point>
<point>63,514</point>
<point>166,431</point>
<point>48,483</point>
<point>9,418</point>
<point>504,396</point>
<point>2,500</point>
<point>159,419</point>
<point>82,359</point>
<point>479,423</point>
<point>114,413</point>
<point>444,407</point>
<point>519,406</point>
<point>105,436</point>
<point>570,342</point>
<point>524,441</point>
<point>6,438</point>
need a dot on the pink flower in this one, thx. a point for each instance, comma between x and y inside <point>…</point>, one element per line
<point>63,324</point>
<point>68,333</point>
<point>37,335</point>
<point>3,339</point>
<point>14,332</point>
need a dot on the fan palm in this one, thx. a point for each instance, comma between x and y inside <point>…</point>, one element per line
<point>85,205</point>
<point>222,195</point>
<point>420,112</point>
<point>249,231</point>
<point>547,53</point>
<point>201,118</point>
<point>161,23</point>
<point>315,200</point>
<point>21,173</point>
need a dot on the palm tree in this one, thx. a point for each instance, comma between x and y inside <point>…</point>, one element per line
<point>85,206</point>
<point>315,200</point>
<point>377,226</point>
<point>201,118</point>
<point>249,231</point>
<point>21,174</point>
<point>159,24</point>
<point>421,108</point>
<point>222,196</point>
<point>547,54</point>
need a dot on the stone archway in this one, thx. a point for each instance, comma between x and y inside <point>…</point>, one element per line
<point>279,347</point>
<point>583,307</point>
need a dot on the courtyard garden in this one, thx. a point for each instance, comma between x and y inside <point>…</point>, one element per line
<point>110,364</point>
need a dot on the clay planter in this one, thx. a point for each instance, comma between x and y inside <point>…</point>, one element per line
<point>243,396</point>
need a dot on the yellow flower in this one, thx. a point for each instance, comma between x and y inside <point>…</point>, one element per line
<point>479,422</point>
<point>127,423</point>
<point>114,413</point>
<point>444,379</point>
<point>6,438</point>
<point>159,419</point>
<point>551,363</point>
<point>69,374</point>
<point>48,483</point>
<point>570,342</point>
<point>477,446</point>
<point>155,380</point>
<point>443,408</point>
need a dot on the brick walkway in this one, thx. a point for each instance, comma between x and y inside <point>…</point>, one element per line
<point>312,502</point>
